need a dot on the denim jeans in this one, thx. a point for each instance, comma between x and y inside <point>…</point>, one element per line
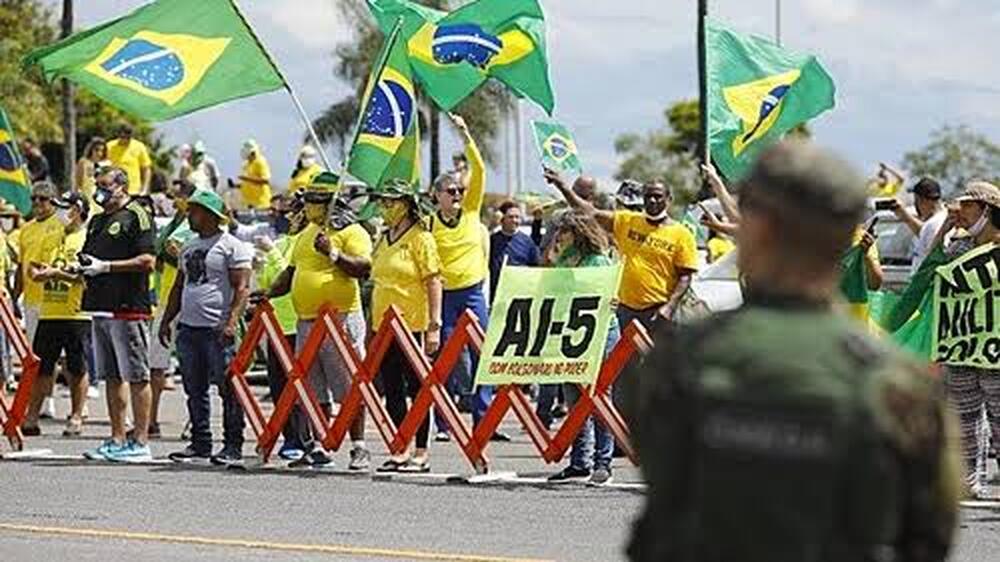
<point>460,383</point>
<point>297,431</point>
<point>594,446</point>
<point>203,362</point>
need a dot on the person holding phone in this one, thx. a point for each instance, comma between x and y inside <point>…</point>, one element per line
<point>931,214</point>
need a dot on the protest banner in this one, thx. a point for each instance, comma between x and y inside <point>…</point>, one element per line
<point>966,310</point>
<point>548,325</point>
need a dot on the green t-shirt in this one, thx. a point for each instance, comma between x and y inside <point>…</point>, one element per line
<point>274,263</point>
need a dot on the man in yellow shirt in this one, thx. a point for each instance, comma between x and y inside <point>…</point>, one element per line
<point>328,258</point>
<point>255,178</point>
<point>132,156</point>
<point>659,255</point>
<point>458,232</point>
<point>62,326</point>
<point>38,238</point>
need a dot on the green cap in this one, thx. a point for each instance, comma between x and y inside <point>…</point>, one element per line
<point>394,189</point>
<point>209,200</point>
<point>324,182</point>
<point>799,177</point>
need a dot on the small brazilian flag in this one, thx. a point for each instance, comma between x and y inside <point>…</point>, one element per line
<point>557,147</point>
<point>454,53</point>
<point>757,91</point>
<point>14,185</point>
<point>387,136</point>
<point>165,59</point>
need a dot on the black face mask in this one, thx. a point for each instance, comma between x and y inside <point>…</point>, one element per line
<point>102,195</point>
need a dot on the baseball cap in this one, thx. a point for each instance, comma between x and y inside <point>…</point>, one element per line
<point>927,187</point>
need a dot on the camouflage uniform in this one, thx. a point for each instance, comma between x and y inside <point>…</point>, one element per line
<point>784,432</point>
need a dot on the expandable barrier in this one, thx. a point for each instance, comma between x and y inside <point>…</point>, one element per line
<point>595,399</point>
<point>12,416</point>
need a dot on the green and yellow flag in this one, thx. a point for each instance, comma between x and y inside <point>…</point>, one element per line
<point>14,185</point>
<point>556,147</point>
<point>454,53</point>
<point>757,91</point>
<point>387,136</point>
<point>165,59</point>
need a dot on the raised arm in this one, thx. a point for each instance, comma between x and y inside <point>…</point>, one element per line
<point>474,198</point>
<point>726,199</point>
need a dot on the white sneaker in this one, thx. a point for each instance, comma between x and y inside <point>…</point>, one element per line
<point>48,409</point>
<point>93,392</point>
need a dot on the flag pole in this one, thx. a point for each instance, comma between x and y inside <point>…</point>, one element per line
<point>706,155</point>
<point>288,87</point>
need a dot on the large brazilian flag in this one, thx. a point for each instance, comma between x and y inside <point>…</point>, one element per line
<point>387,137</point>
<point>165,59</point>
<point>454,53</point>
<point>757,91</point>
<point>14,185</point>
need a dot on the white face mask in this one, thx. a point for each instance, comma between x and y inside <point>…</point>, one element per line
<point>246,152</point>
<point>657,218</point>
<point>977,229</point>
<point>307,161</point>
<point>62,215</point>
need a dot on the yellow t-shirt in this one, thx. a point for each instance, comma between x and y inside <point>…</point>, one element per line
<point>317,281</point>
<point>653,257</point>
<point>132,158</point>
<point>401,271</point>
<point>719,247</point>
<point>61,299</point>
<point>5,263</point>
<point>256,196</point>
<point>301,180</point>
<point>38,242</point>
<point>463,262</point>
<point>860,310</point>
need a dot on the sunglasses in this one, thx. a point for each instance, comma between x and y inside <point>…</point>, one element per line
<point>454,191</point>
<point>38,199</point>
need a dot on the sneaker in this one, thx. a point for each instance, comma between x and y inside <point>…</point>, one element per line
<point>361,459</point>
<point>93,392</point>
<point>317,458</point>
<point>228,456</point>
<point>442,437</point>
<point>101,453</point>
<point>570,474</point>
<point>132,451</point>
<point>600,477</point>
<point>74,427</point>
<point>500,437</point>
<point>291,454</point>
<point>559,411</point>
<point>190,455</point>
<point>154,431</point>
<point>48,411</point>
<point>31,430</point>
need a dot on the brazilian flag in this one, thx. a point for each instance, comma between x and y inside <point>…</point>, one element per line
<point>165,59</point>
<point>387,136</point>
<point>454,53</point>
<point>556,147</point>
<point>757,91</point>
<point>14,185</point>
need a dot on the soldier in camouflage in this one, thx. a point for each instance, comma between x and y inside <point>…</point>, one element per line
<point>782,431</point>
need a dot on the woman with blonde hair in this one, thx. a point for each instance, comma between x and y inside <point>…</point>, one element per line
<point>95,156</point>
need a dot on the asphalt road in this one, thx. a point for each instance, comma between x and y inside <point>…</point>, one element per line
<point>57,507</point>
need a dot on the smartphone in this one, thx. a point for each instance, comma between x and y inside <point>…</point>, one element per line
<point>871,226</point>
<point>886,204</point>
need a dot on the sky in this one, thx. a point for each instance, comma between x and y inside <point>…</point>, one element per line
<point>902,68</point>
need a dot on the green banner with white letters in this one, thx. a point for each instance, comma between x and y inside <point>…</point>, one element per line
<point>967,310</point>
<point>548,325</point>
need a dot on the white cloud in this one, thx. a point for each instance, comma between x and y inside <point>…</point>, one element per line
<point>317,25</point>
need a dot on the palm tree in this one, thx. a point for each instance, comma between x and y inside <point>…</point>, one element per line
<point>484,111</point>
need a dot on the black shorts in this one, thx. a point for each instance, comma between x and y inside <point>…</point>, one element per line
<point>55,336</point>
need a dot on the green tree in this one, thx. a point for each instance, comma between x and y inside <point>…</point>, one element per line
<point>954,156</point>
<point>483,111</point>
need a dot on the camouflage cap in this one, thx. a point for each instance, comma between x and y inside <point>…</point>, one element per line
<point>981,191</point>
<point>44,189</point>
<point>324,182</point>
<point>799,177</point>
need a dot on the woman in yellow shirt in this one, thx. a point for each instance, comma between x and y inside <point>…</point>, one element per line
<point>458,232</point>
<point>407,274</point>
<point>94,156</point>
